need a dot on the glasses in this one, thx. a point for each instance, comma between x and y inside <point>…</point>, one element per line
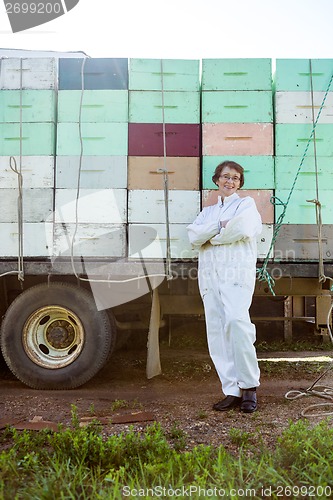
<point>226,178</point>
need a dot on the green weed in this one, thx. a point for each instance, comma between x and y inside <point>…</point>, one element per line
<point>81,463</point>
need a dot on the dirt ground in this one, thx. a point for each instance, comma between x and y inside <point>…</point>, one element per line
<point>181,398</point>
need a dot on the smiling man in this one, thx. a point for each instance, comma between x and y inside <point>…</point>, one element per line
<point>226,235</point>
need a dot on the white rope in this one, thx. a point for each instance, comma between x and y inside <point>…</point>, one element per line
<point>321,391</point>
<point>18,172</point>
<point>166,183</point>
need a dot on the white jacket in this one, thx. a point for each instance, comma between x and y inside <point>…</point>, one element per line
<point>230,252</point>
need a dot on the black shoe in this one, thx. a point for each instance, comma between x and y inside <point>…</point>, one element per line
<point>249,401</point>
<point>227,403</point>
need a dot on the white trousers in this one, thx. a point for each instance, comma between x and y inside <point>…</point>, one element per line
<point>230,334</point>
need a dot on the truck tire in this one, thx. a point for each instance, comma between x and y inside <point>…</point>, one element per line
<point>53,336</point>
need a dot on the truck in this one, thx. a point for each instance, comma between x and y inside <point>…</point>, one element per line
<point>103,164</point>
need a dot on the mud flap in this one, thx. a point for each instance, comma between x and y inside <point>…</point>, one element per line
<point>153,367</point>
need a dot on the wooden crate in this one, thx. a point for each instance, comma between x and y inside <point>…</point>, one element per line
<point>96,73</point>
<point>297,242</point>
<point>300,211</point>
<point>313,170</point>
<point>169,74</point>
<point>146,172</point>
<point>146,139</point>
<point>261,197</point>
<point>295,74</point>
<point>90,240</point>
<point>148,206</point>
<point>237,106</point>
<point>37,204</point>
<point>168,107</point>
<point>97,106</point>
<point>37,172</point>
<point>258,170</point>
<point>303,107</point>
<point>35,139</point>
<point>236,74</point>
<point>37,238</point>
<point>28,73</point>
<point>291,139</point>
<point>97,138</point>
<point>96,172</point>
<point>153,241</point>
<point>27,106</point>
<point>100,206</point>
<point>251,139</point>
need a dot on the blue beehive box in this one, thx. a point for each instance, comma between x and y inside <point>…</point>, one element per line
<point>93,73</point>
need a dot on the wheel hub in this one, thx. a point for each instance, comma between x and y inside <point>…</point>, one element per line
<point>53,337</point>
<point>60,334</point>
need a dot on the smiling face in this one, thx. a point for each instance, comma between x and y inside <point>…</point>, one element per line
<point>228,182</point>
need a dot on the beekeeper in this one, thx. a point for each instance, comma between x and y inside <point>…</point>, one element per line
<point>225,234</point>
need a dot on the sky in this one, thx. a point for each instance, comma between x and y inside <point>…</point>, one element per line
<point>184,29</point>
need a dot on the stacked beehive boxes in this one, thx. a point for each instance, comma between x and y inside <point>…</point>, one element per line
<point>27,133</point>
<point>164,154</point>
<point>91,163</point>
<point>237,124</point>
<point>300,87</point>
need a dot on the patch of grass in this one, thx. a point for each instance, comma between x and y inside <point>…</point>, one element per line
<point>79,463</point>
<point>313,344</point>
<point>118,404</point>
<point>92,410</point>
<point>202,414</point>
<point>296,369</point>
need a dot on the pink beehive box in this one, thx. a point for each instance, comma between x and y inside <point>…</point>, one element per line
<point>248,139</point>
<point>262,198</point>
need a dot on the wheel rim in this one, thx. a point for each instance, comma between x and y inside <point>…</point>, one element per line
<point>53,337</point>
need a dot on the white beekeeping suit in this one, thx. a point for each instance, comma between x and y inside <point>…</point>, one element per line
<point>227,272</point>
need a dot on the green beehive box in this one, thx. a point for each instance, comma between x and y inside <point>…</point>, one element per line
<point>96,106</point>
<point>302,211</point>
<point>236,74</point>
<point>291,139</point>
<point>166,74</point>
<point>27,106</point>
<point>97,139</point>
<point>298,74</point>
<point>237,106</point>
<point>169,107</point>
<point>258,170</point>
<point>32,139</point>
<point>313,170</point>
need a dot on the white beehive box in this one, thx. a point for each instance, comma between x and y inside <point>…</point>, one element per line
<point>96,172</point>
<point>37,204</point>
<point>148,206</point>
<point>303,107</point>
<point>37,171</point>
<point>102,206</point>
<point>153,239</point>
<point>28,73</point>
<point>89,240</point>
<point>36,239</point>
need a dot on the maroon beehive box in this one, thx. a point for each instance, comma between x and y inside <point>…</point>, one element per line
<point>146,139</point>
